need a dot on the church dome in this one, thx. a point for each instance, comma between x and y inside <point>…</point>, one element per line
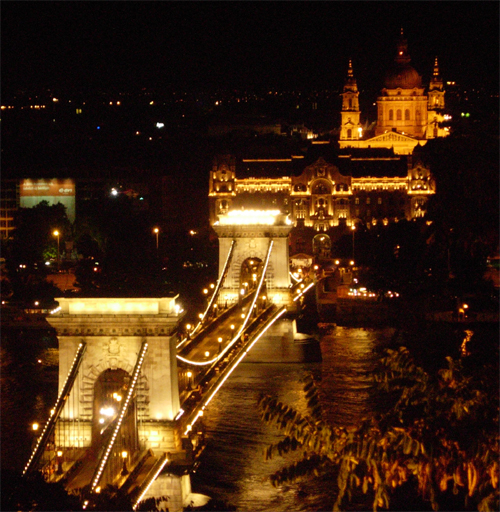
<point>403,76</point>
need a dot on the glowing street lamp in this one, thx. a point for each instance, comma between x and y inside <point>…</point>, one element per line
<point>220,344</point>
<point>156,231</point>
<point>59,462</point>
<point>124,457</point>
<point>57,234</point>
<point>189,375</point>
<point>353,227</point>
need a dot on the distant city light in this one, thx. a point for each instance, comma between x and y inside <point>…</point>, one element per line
<point>160,125</point>
<point>114,192</point>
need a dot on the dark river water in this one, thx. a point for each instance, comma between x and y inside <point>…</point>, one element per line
<point>233,469</point>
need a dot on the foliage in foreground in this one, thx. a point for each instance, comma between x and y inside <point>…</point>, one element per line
<point>439,436</point>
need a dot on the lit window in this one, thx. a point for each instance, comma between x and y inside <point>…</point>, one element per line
<point>379,200</point>
<point>398,115</point>
<point>391,115</point>
<point>407,115</point>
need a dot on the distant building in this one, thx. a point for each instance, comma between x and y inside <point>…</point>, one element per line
<point>407,114</point>
<point>9,203</point>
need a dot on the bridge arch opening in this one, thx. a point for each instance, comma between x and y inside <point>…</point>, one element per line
<point>250,273</point>
<point>110,389</point>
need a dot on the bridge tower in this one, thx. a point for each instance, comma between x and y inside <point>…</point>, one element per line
<point>251,232</point>
<point>129,354</point>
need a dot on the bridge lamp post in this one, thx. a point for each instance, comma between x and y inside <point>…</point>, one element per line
<point>188,331</point>
<point>57,235</point>
<point>124,457</point>
<point>189,375</point>
<point>34,428</point>
<point>220,345</point>
<point>207,354</point>
<point>59,462</point>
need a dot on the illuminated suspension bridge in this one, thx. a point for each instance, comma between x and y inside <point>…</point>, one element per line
<point>131,392</point>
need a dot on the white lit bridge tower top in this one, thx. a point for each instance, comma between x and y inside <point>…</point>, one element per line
<point>252,230</point>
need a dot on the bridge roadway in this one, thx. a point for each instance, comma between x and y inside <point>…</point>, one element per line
<point>211,372</point>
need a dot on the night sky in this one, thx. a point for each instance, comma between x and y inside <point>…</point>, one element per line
<point>241,44</point>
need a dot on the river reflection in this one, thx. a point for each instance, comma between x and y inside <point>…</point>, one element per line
<point>233,468</point>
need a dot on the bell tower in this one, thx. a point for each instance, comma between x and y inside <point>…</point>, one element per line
<point>350,126</point>
<point>435,104</point>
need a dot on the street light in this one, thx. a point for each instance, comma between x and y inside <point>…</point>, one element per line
<point>189,375</point>
<point>353,227</point>
<point>220,344</point>
<point>156,231</point>
<point>124,457</point>
<point>57,234</point>
<point>59,462</point>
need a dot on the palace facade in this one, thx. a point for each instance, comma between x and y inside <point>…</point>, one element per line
<point>351,186</point>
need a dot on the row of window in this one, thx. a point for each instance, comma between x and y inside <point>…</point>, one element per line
<point>340,202</point>
<point>399,114</point>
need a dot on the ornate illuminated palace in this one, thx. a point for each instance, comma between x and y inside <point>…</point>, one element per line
<point>373,181</point>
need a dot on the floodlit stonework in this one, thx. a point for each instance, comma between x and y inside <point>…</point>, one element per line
<point>114,331</point>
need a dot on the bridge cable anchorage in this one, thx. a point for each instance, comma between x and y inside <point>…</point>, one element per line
<point>105,455</point>
<point>57,409</point>
<point>245,321</point>
<point>308,287</point>
<point>151,477</point>
<point>220,282</point>
<point>198,411</point>
<point>155,471</point>
<point>296,279</point>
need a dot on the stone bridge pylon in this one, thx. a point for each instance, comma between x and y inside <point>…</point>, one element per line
<point>251,230</point>
<point>118,381</point>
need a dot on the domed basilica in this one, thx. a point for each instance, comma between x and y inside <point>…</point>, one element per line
<point>406,114</point>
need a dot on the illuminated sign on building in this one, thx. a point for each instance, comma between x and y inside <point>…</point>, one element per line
<point>33,192</point>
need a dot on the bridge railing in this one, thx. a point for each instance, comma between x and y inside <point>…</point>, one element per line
<point>56,411</point>
<point>220,282</point>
